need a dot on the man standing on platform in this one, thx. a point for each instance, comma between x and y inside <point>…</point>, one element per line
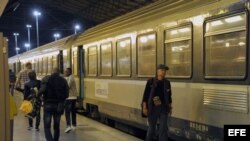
<point>156,103</point>
<point>70,108</point>
<point>23,77</point>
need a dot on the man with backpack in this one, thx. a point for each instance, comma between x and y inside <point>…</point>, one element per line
<point>55,91</point>
<point>157,103</point>
<point>31,89</point>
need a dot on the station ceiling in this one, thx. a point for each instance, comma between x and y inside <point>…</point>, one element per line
<point>60,16</point>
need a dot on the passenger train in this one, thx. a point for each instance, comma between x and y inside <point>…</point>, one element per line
<point>204,43</point>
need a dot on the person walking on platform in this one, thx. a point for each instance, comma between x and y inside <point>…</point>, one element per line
<point>22,77</point>
<point>31,89</point>
<point>55,91</point>
<point>12,79</point>
<point>156,103</point>
<point>70,109</point>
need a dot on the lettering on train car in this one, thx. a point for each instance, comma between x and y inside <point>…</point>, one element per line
<point>101,89</point>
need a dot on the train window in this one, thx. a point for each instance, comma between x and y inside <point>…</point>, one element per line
<point>50,64</point>
<point>146,53</point>
<point>37,65</point>
<point>92,61</point>
<point>54,61</point>
<point>65,59</point>
<point>45,65</point>
<point>225,47</point>
<point>40,65</point>
<point>33,65</point>
<point>123,57</point>
<point>75,62</point>
<point>106,59</point>
<point>178,51</point>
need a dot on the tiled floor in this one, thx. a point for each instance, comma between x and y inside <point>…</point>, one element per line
<point>87,130</point>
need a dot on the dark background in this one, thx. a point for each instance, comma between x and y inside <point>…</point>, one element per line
<point>59,16</point>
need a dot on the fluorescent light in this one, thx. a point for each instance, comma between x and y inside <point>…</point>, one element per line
<point>184,30</point>
<point>216,23</point>
<point>173,32</point>
<point>104,47</point>
<point>219,41</point>
<point>233,19</point>
<point>242,43</point>
<point>151,36</point>
<point>123,44</point>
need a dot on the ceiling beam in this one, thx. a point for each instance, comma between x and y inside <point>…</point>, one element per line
<point>3,4</point>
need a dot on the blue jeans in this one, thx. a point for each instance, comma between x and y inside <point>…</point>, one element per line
<point>50,111</point>
<point>158,114</point>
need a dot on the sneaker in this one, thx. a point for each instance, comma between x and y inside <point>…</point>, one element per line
<point>30,128</point>
<point>37,129</point>
<point>68,129</point>
<point>73,127</point>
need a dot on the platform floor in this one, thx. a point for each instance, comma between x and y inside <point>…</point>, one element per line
<point>87,130</point>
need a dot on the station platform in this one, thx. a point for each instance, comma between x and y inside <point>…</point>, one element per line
<point>87,130</point>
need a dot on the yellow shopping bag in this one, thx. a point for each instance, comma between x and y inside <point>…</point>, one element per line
<point>26,107</point>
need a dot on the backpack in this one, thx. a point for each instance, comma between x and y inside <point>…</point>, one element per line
<point>32,93</point>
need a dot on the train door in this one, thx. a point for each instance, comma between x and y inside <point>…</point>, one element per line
<point>60,61</point>
<point>81,70</point>
<point>77,56</point>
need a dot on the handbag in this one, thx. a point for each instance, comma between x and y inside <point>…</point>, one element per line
<point>26,107</point>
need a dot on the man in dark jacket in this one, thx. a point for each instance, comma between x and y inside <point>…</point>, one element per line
<point>31,89</point>
<point>55,91</point>
<point>157,102</point>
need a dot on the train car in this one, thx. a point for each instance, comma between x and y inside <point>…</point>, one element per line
<point>205,45</point>
<point>43,59</point>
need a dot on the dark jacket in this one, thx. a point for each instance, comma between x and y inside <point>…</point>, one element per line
<point>54,89</point>
<point>31,84</point>
<point>149,93</point>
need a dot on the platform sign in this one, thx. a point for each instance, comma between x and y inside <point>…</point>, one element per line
<point>101,89</point>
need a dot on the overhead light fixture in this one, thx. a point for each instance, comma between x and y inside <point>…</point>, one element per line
<point>184,29</point>
<point>216,23</point>
<point>123,44</point>
<point>173,32</point>
<point>242,43</point>
<point>144,39</point>
<point>151,36</point>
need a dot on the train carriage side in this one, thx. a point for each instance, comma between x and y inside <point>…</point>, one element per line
<point>202,45</point>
